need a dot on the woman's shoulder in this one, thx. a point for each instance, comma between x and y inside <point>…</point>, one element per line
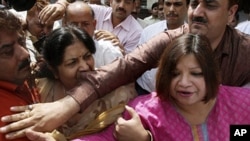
<point>233,104</point>
<point>149,102</point>
<point>236,97</point>
<point>234,91</point>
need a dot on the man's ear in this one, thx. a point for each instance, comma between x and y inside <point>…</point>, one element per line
<point>94,22</point>
<point>231,12</point>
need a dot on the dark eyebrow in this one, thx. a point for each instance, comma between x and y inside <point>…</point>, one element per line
<point>6,45</point>
<point>209,1</point>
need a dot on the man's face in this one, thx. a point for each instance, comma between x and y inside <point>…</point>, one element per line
<point>14,58</point>
<point>161,12</point>
<point>155,12</point>
<point>137,9</point>
<point>36,28</point>
<point>175,12</point>
<point>81,17</point>
<point>121,9</point>
<point>210,17</point>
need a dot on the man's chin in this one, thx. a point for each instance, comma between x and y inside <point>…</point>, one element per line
<point>26,72</point>
<point>197,31</point>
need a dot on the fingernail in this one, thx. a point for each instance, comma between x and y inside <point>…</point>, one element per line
<point>2,129</point>
<point>8,136</point>
<point>3,119</point>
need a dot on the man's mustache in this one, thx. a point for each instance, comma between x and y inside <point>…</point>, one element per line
<point>24,64</point>
<point>121,9</point>
<point>199,19</point>
<point>172,14</point>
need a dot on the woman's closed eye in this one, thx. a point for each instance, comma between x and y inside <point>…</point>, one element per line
<point>87,56</point>
<point>72,62</point>
<point>197,73</point>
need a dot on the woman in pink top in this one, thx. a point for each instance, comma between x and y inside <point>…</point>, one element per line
<point>189,104</point>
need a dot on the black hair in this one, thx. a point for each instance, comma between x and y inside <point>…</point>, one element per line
<point>58,40</point>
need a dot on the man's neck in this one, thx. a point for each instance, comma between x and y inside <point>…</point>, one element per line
<point>173,26</point>
<point>116,21</point>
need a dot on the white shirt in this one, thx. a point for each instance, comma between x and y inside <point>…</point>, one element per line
<point>151,20</point>
<point>105,53</point>
<point>152,30</point>
<point>128,31</point>
<point>29,43</point>
<point>142,22</point>
<point>244,27</point>
<point>147,80</point>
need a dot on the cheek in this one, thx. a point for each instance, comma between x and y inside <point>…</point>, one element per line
<point>91,63</point>
<point>67,77</point>
<point>201,84</point>
<point>173,83</point>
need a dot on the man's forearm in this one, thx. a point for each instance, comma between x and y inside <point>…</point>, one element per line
<point>124,70</point>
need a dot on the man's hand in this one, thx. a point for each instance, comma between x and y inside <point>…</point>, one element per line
<point>53,12</point>
<point>106,35</point>
<point>38,136</point>
<point>43,117</point>
<point>132,129</point>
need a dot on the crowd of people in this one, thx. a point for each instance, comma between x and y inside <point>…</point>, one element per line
<point>75,70</point>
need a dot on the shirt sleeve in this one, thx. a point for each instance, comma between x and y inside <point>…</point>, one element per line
<point>124,70</point>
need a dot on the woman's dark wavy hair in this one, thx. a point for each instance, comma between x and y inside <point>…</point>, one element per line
<point>186,44</point>
<point>58,40</point>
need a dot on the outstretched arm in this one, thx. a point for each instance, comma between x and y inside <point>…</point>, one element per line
<point>47,116</point>
<point>123,70</point>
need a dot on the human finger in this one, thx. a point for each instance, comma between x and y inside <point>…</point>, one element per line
<point>106,37</point>
<point>99,37</point>
<point>120,120</point>
<point>16,117</point>
<point>38,136</point>
<point>131,111</point>
<point>49,15</point>
<point>115,42</point>
<point>23,125</point>
<point>55,15</point>
<point>21,108</point>
<point>45,13</point>
<point>19,116</point>
<point>17,121</point>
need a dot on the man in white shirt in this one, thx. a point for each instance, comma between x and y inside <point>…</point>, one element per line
<point>175,14</point>
<point>153,18</point>
<point>34,30</point>
<point>135,13</point>
<point>118,20</point>
<point>80,14</point>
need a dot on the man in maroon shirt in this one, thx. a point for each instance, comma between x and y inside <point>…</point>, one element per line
<point>15,68</point>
